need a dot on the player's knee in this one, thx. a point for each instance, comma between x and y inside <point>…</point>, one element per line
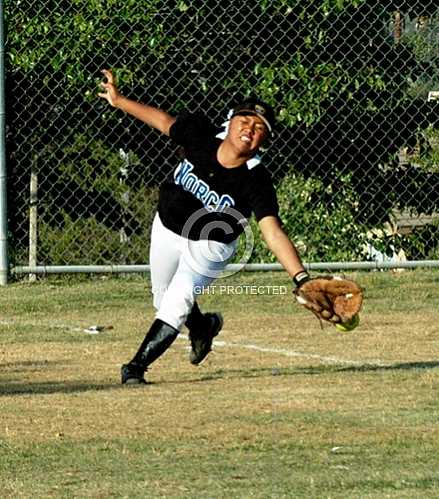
<point>157,297</point>
<point>175,312</point>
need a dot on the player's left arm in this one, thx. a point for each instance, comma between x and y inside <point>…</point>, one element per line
<point>331,299</point>
<point>280,245</point>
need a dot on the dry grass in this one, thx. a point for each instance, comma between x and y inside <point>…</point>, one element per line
<point>281,408</point>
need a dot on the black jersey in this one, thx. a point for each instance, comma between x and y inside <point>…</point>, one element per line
<point>206,200</point>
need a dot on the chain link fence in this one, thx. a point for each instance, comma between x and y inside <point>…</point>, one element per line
<point>355,155</point>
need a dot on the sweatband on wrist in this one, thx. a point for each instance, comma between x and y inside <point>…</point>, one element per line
<point>301,277</point>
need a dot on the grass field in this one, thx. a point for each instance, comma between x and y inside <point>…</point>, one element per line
<point>280,409</point>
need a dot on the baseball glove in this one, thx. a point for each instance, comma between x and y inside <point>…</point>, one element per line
<point>332,299</point>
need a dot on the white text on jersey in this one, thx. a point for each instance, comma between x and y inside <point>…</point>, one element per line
<point>211,200</point>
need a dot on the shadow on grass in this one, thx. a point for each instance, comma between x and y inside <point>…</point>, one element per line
<point>12,384</point>
<point>428,364</point>
<point>14,387</point>
<point>320,369</point>
<point>48,387</point>
<point>31,364</point>
<point>262,372</point>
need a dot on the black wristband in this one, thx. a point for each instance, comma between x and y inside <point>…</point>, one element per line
<point>301,277</point>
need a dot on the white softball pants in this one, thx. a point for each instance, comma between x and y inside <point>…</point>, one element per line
<point>181,269</point>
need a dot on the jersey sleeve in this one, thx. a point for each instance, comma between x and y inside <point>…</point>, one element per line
<point>191,129</point>
<point>263,199</point>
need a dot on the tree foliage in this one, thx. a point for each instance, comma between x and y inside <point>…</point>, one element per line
<point>349,89</point>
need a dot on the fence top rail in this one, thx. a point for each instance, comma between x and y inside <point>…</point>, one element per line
<point>251,267</point>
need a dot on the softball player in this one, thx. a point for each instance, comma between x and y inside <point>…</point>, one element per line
<point>201,213</point>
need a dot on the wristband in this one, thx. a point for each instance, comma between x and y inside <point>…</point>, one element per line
<point>300,278</point>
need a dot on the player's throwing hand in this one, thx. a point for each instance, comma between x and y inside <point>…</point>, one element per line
<point>111,93</point>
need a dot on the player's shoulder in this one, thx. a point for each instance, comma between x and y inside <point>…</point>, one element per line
<point>259,178</point>
<point>259,171</point>
<point>190,125</point>
<point>195,119</point>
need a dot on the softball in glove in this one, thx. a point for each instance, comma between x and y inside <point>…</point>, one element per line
<point>332,299</point>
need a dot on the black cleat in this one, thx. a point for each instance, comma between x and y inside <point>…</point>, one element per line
<point>201,340</point>
<point>132,374</point>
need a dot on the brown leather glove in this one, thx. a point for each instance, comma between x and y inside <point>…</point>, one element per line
<point>332,299</point>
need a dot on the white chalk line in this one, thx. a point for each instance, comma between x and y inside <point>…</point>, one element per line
<point>219,343</point>
<point>52,325</point>
<point>294,353</point>
<point>290,353</point>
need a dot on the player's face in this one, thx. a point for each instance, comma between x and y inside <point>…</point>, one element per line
<point>247,132</point>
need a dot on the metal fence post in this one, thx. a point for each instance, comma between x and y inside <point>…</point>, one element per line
<point>33,224</point>
<point>4,264</point>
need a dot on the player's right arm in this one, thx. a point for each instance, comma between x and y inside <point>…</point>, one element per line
<point>152,116</point>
